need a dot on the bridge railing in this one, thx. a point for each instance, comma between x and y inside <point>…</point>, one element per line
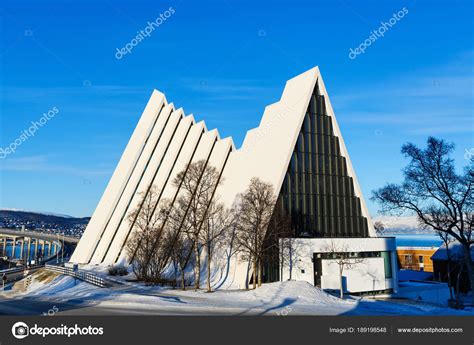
<point>84,276</point>
<point>19,269</point>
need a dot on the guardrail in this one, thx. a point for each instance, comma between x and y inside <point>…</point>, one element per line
<point>14,274</point>
<point>19,269</point>
<point>12,270</point>
<point>84,276</point>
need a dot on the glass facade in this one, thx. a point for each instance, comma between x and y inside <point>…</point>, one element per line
<point>317,191</point>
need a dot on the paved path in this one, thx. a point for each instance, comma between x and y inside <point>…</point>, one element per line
<point>38,306</point>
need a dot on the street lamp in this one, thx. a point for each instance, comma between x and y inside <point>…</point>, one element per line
<point>62,250</point>
<point>57,253</point>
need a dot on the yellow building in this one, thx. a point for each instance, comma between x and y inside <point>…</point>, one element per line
<point>416,258</point>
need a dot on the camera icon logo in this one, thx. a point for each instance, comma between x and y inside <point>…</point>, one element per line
<point>20,330</point>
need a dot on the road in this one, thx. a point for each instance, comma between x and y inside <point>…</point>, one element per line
<point>19,273</point>
<point>37,234</point>
<point>41,306</point>
<point>64,253</point>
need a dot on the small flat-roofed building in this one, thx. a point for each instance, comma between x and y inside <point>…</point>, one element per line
<point>416,258</point>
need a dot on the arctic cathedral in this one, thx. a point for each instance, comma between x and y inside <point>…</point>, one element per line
<point>298,148</point>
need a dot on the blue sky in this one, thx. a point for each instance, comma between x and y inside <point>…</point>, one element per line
<point>223,61</point>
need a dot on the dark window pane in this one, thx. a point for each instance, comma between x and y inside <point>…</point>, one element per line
<point>317,192</point>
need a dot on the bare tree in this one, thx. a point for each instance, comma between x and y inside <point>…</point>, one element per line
<point>147,259</point>
<point>229,243</point>
<point>217,223</point>
<point>182,252</point>
<point>458,278</point>
<point>446,240</point>
<point>179,249</point>
<point>340,255</point>
<point>442,200</point>
<point>197,185</point>
<point>254,212</point>
<point>292,250</point>
<point>280,244</point>
<point>185,215</point>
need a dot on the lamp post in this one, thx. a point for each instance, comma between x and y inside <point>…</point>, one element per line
<point>62,250</point>
<point>57,253</point>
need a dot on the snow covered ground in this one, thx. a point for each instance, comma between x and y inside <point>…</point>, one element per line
<point>283,298</point>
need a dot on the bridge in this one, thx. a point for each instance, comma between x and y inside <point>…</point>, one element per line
<point>38,245</point>
<point>50,244</point>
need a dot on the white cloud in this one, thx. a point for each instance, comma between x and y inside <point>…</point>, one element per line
<point>42,163</point>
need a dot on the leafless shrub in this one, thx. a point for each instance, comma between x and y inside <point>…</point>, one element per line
<point>253,215</point>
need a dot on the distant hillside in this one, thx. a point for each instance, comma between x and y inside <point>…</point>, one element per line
<point>44,222</point>
<point>57,223</point>
<point>41,217</point>
<point>38,212</point>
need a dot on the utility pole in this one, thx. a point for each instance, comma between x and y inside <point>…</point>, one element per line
<point>62,250</point>
<point>57,253</point>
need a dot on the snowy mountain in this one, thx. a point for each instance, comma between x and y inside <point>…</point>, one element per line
<point>401,225</point>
